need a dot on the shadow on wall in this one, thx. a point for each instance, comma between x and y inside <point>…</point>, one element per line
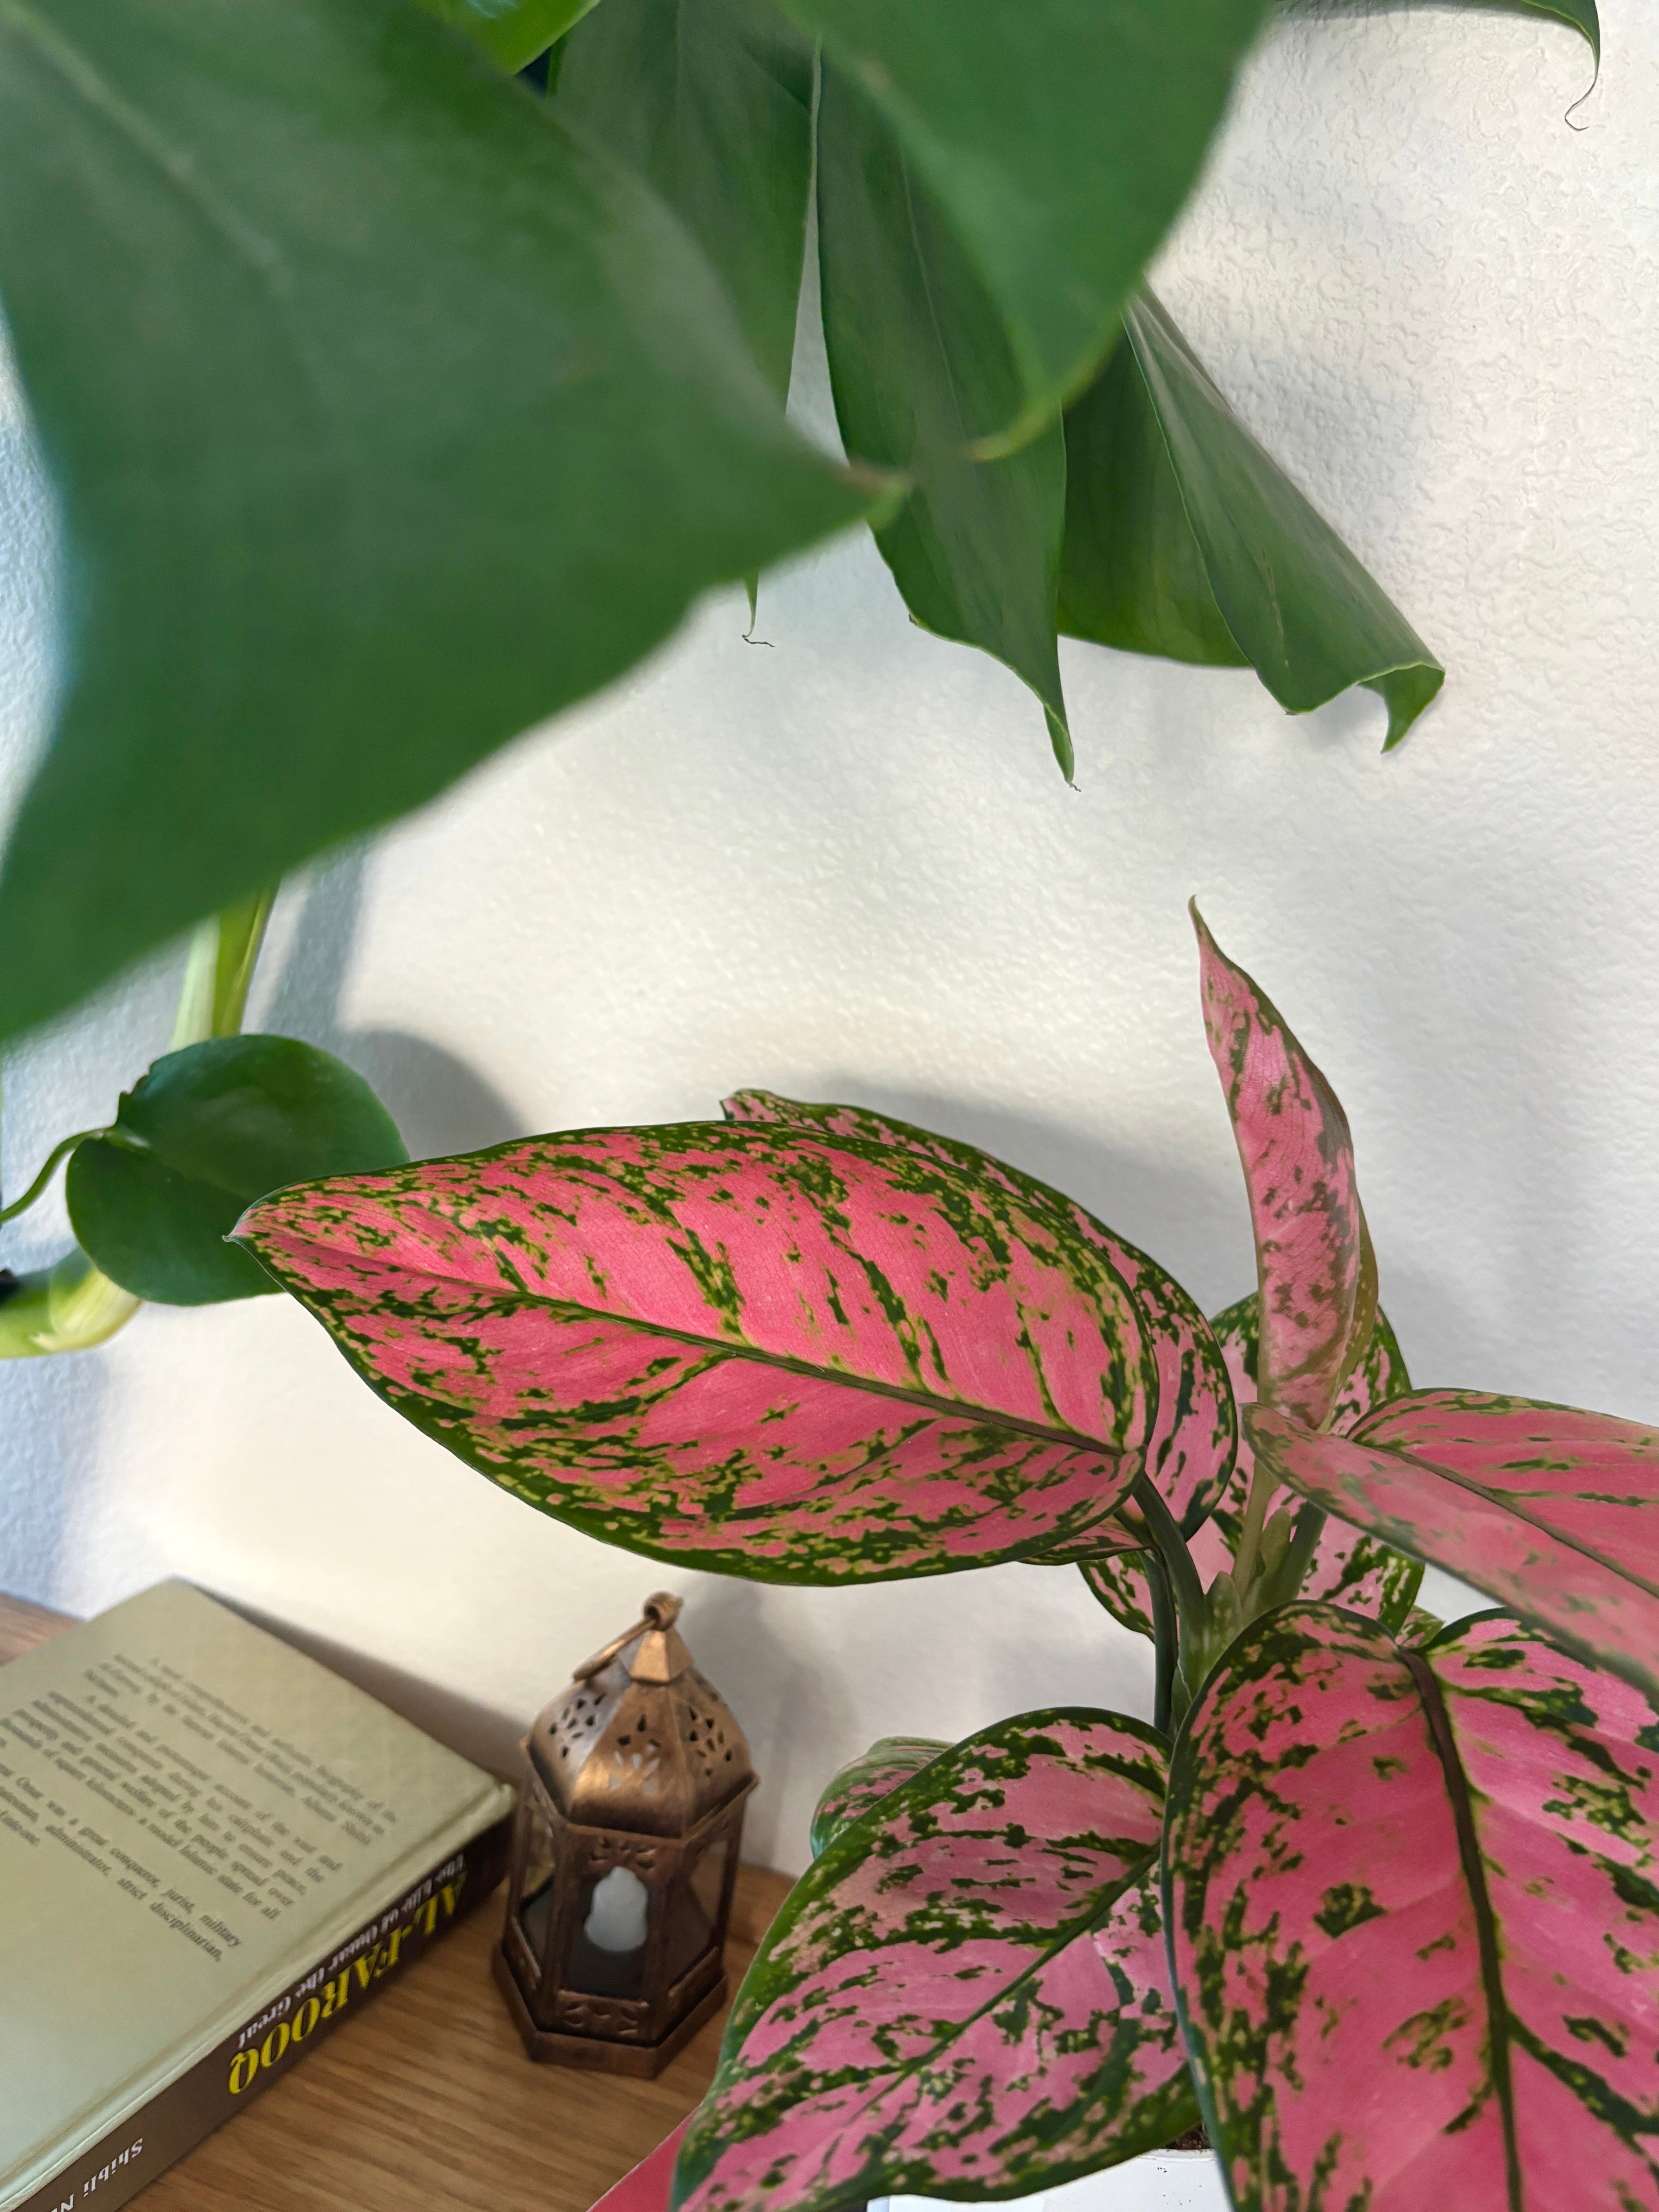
<point>51,1420</point>
<point>441,1104</point>
<point>796,1711</point>
<point>1196,1227</point>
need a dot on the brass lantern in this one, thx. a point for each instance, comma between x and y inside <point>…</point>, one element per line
<point>624,1857</point>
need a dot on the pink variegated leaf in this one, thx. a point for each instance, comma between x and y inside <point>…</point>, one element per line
<point>967,1995</point>
<point>1349,1566</point>
<point>864,1782</point>
<point>1413,1906</point>
<point>1553,1512</point>
<point>1191,1434</point>
<point>1317,1275</point>
<point>747,1349</point>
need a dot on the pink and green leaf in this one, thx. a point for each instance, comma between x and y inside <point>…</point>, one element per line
<point>1316,1276</point>
<point>1553,1512</point>
<point>1414,1921</point>
<point>864,1782</point>
<point>1191,1435</point>
<point>747,1349</point>
<point>1349,1567</point>
<point>967,1995</point>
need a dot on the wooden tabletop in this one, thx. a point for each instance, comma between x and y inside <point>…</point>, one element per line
<point>426,2101</point>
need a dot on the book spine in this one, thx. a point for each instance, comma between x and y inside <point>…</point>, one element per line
<point>189,2107</point>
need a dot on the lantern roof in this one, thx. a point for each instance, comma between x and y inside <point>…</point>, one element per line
<point>640,1740</point>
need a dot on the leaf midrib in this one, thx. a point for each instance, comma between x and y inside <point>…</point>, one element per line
<point>1072,1931</point>
<point>1487,1944</point>
<point>1068,1439</point>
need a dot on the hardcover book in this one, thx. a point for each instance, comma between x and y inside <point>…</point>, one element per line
<point>212,1851</point>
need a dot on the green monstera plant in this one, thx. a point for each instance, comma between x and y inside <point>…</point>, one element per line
<point>390,408</point>
<point>1374,1898</point>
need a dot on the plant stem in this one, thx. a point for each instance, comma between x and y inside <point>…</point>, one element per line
<point>68,1307</point>
<point>1166,1633</point>
<point>58,1152</point>
<point>1287,1583</point>
<point>1249,1536</point>
<point>223,956</point>
<point>1185,1587</point>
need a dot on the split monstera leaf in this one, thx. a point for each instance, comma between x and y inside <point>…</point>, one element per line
<point>1377,1900</point>
<point>437,403</point>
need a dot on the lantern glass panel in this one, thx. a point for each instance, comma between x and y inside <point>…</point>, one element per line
<point>535,1890</point>
<point>698,1912</point>
<point>607,1952</point>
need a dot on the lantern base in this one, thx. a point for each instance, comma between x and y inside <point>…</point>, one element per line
<point>643,2060</point>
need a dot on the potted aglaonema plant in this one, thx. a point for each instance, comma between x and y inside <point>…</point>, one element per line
<point>1373,1899</point>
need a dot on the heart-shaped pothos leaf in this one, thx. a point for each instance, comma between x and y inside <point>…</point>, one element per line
<point>1350,1567</point>
<point>757,1349</point>
<point>861,1782</point>
<point>1552,1511</point>
<point>1191,1434</point>
<point>1413,1904</point>
<point>206,1129</point>
<point>967,1994</point>
<point>1317,1274</point>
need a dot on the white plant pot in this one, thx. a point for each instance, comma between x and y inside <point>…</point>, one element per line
<point>1162,2181</point>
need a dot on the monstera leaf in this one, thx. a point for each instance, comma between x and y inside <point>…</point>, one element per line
<point>967,1994</point>
<point>862,1782</point>
<point>711,102</point>
<point>751,1349</point>
<point>1554,1512</point>
<point>1190,1441</point>
<point>921,369</point>
<point>1413,1912</point>
<point>1579,15</point>
<point>1057,139</point>
<point>425,422</point>
<point>1184,538</point>
<point>514,31</point>
<point>1348,1566</point>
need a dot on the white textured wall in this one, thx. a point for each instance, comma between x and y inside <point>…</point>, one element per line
<point>841,864</point>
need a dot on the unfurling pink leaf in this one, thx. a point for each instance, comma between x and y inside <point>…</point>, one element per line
<point>1413,1902</point>
<point>864,1782</point>
<point>748,1349</point>
<point>966,1994</point>
<point>1191,1435</point>
<point>1317,1274</point>
<point>1349,1567</point>
<point>1553,1512</point>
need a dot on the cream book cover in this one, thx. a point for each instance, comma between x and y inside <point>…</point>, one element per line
<point>191,1813</point>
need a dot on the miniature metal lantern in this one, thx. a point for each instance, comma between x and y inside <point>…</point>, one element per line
<point>624,1857</point>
